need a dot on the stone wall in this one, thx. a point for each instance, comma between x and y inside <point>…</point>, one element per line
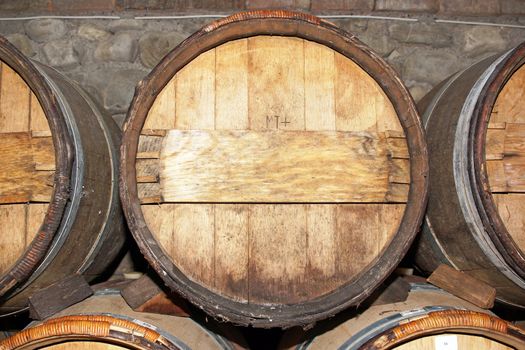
<point>442,7</point>
<point>109,56</point>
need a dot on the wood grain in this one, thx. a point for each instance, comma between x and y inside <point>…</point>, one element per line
<point>276,83</point>
<point>38,122</point>
<point>463,341</point>
<point>162,113</point>
<point>242,166</point>
<point>464,286</point>
<point>511,207</point>
<point>319,87</point>
<point>83,345</point>
<point>231,86</point>
<point>232,250</point>
<point>277,253</point>
<point>195,91</point>
<point>505,154</point>
<point>270,133</point>
<point>27,168</point>
<point>12,216</point>
<point>14,101</point>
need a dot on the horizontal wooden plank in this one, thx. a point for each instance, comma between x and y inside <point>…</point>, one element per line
<point>274,166</point>
<point>515,139</point>
<point>464,286</point>
<point>505,155</point>
<point>495,142</point>
<point>27,168</point>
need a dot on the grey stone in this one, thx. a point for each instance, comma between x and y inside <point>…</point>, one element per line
<point>430,66</point>
<point>376,36</point>
<point>407,5</point>
<point>482,39</point>
<point>119,119</point>
<point>513,36</point>
<point>421,33</point>
<point>60,53</point>
<point>154,46</point>
<point>418,90</point>
<point>42,30</point>
<point>22,43</point>
<point>125,24</point>
<point>354,25</point>
<point>92,33</point>
<point>119,47</point>
<point>512,7</point>
<point>113,87</point>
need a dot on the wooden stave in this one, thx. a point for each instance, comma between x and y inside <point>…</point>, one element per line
<point>160,332</point>
<point>427,311</point>
<point>244,25</point>
<point>39,266</point>
<point>441,241</point>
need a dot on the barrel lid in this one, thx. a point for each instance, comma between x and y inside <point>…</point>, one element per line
<point>62,143</point>
<point>290,24</point>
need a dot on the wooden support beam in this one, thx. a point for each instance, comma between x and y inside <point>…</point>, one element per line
<point>144,295</point>
<point>463,286</point>
<point>58,296</point>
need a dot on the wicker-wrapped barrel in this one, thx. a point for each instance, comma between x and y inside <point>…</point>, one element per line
<point>59,205</point>
<point>475,133</point>
<point>105,322</point>
<point>428,319</point>
<point>273,169</point>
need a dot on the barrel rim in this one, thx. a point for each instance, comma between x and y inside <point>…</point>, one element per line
<point>284,23</point>
<point>104,328</point>
<point>493,223</point>
<point>464,321</point>
<point>63,147</point>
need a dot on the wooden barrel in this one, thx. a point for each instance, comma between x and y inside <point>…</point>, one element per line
<point>59,207</point>
<point>476,132</point>
<point>105,322</point>
<point>428,319</point>
<point>273,169</point>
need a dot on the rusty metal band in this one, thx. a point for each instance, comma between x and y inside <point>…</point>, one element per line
<point>103,328</point>
<point>64,157</point>
<point>464,321</point>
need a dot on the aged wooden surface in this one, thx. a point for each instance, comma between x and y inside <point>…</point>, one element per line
<point>58,296</point>
<point>144,295</point>
<point>266,167</point>
<point>23,221</point>
<point>27,168</point>
<point>463,286</point>
<point>27,164</point>
<point>278,163</point>
<point>453,341</point>
<point>505,154</point>
<point>84,345</point>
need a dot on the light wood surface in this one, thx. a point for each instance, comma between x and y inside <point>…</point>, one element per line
<point>272,166</point>
<point>505,155</point>
<point>272,170</point>
<point>464,286</point>
<point>83,345</point>
<point>27,168</point>
<point>454,341</point>
<point>27,164</point>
